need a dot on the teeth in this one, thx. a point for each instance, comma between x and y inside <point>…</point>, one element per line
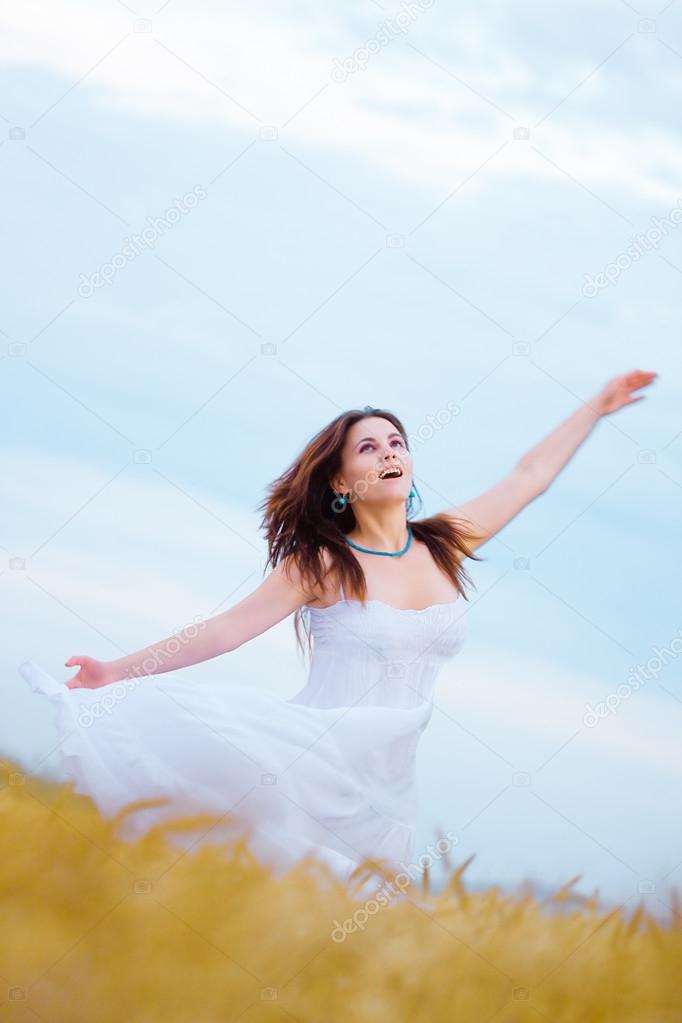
<point>391,472</point>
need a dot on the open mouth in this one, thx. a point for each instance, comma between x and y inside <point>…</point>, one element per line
<point>394,472</point>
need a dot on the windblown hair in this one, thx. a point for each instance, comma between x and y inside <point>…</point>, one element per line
<point>300,521</point>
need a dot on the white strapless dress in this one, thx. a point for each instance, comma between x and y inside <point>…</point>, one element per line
<point>330,772</point>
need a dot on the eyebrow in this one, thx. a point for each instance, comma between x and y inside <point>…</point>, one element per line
<point>394,434</point>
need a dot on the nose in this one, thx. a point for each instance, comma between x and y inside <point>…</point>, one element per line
<point>390,458</point>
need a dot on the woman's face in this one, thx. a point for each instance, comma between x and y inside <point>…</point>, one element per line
<point>372,445</point>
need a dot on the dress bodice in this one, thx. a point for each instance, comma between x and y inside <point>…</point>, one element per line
<point>379,655</point>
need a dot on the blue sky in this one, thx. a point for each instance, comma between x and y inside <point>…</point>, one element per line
<point>418,233</point>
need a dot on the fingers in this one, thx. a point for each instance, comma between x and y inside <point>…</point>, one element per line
<point>639,378</point>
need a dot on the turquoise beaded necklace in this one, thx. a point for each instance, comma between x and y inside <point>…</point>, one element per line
<point>388,554</point>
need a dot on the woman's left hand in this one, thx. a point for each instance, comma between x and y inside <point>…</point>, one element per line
<point>618,391</point>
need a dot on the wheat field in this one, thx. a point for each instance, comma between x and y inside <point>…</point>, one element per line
<point>95,928</point>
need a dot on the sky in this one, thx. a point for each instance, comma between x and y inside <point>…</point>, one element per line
<point>230,224</point>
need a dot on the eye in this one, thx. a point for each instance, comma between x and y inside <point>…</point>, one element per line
<point>396,440</point>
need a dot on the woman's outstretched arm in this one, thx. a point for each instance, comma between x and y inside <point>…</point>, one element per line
<point>275,599</point>
<point>494,508</point>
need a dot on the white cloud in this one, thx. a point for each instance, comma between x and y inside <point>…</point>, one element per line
<point>403,114</point>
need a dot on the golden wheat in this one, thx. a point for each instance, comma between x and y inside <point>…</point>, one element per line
<point>98,929</point>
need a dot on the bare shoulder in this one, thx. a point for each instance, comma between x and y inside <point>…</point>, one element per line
<point>288,573</point>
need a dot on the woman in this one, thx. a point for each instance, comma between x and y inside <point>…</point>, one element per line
<point>330,772</point>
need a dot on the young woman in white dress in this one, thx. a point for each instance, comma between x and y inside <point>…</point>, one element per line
<point>330,772</point>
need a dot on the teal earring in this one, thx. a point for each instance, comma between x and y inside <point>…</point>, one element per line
<point>339,503</point>
<point>409,502</point>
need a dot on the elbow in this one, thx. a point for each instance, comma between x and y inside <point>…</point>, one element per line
<point>536,479</point>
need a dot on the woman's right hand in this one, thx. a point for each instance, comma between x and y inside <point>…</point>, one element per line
<point>92,674</point>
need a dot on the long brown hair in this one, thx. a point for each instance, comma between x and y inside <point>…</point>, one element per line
<point>300,521</point>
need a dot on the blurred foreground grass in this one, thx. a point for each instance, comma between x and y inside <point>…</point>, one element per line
<point>96,929</point>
